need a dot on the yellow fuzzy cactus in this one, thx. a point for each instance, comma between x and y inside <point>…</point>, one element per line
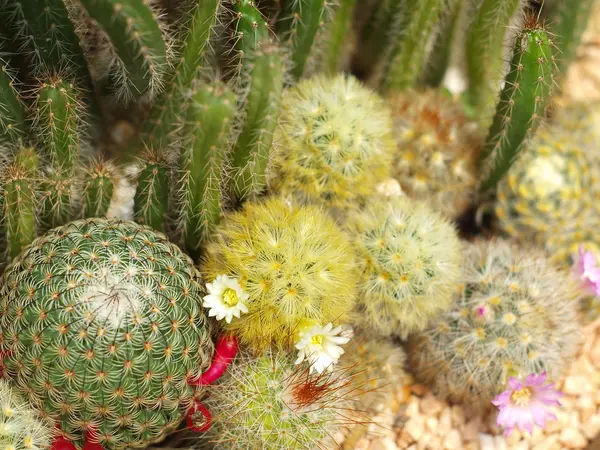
<point>436,150</point>
<point>334,142</point>
<point>294,265</point>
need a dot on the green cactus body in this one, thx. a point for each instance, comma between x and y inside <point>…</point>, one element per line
<point>151,201</point>
<point>485,52</point>
<point>268,403</point>
<point>293,262</point>
<point>262,81</point>
<point>20,426</point>
<point>12,111</point>
<point>137,40</point>
<point>98,187</point>
<point>301,21</point>
<point>57,198</point>
<point>409,56</point>
<point>410,262</point>
<point>547,187</point>
<point>522,103</point>
<point>334,143</point>
<point>103,327</point>
<point>339,33</point>
<point>436,151</point>
<point>514,316</point>
<point>210,119</point>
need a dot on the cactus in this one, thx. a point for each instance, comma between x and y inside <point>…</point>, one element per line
<point>98,185</point>
<point>436,152</point>
<point>523,101</point>
<point>513,316</point>
<point>262,81</point>
<point>12,111</point>
<point>409,258</point>
<point>294,263</point>
<point>20,426</point>
<point>151,198</point>
<point>548,186</point>
<point>334,143</point>
<point>210,118</point>
<point>339,35</point>
<point>268,403</point>
<point>109,343</point>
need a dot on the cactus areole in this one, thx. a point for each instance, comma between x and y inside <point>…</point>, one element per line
<point>104,329</point>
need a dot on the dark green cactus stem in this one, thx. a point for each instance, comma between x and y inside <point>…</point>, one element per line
<point>60,119</point>
<point>570,20</point>
<point>56,199</point>
<point>12,111</point>
<point>138,42</point>
<point>410,54</point>
<point>98,188</point>
<point>522,102</point>
<point>263,82</point>
<point>299,24</point>
<point>485,53</point>
<point>19,196</point>
<point>338,34</point>
<point>151,201</point>
<point>208,127</point>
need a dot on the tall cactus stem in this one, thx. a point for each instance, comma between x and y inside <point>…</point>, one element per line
<point>151,200</point>
<point>98,187</point>
<point>338,35</point>
<point>12,111</point>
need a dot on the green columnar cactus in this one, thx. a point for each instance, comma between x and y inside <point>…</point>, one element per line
<point>151,199</point>
<point>210,118</point>
<point>137,43</point>
<point>485,52</point>
<point>262,83</point>
<point>522,103</point>
<point>547,187</point>
<point>12,111</point>
<point>294,263</point>
<point>410,52</point>
<point>98,185</point>
<point>339,34</point>
<point>514,316</point>
<point>269,403</point>
<point>436,151</point>
<point>20,426</point>
<point>409,259</point>
<point>102,323</point>
<point>334,143</point>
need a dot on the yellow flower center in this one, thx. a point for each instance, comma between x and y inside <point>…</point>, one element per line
<point>521,397</point>
<point>317,339</point>
<point>230,297</point>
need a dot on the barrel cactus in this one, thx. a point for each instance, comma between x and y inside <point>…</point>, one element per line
<point>103,327</point>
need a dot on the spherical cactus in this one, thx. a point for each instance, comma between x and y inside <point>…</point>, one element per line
<point>410,258</point>
<point>269,403</point>
<point>436,150</point>
<point>548,186</point>
<point>293,263</point>
<point>20,426</point>
<point>334,142</point>
<point>103,325</point>
<point>515,316</point>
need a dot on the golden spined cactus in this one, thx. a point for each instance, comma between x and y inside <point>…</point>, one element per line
<point>436,150</point>
<point>334,142</point>
<point>294,263</point>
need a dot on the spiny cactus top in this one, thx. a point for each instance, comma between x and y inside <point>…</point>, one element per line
<point>436,150</point>
<point>104,327</point>
<point>20,426</point>
<point>515,315</point>
<point>294,263</point>
<point>334,143</point>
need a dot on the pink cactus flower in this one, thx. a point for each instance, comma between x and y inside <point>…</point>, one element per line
<point>586,269</point>
<point>525,403</point>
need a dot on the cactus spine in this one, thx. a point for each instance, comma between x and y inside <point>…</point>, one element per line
<point>210,118</point>
<point>151,198</point>
<point>263,83</point>
<point>98,186</point>
<point>522,103</point>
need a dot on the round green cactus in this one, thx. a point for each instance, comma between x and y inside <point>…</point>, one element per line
<point>334,143</point>
<point>20,426</point>
<point>410,258</point>
<point>514,316</point>
<point>294,264</point>
<point>436,152</point>
<point>103,326</point>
